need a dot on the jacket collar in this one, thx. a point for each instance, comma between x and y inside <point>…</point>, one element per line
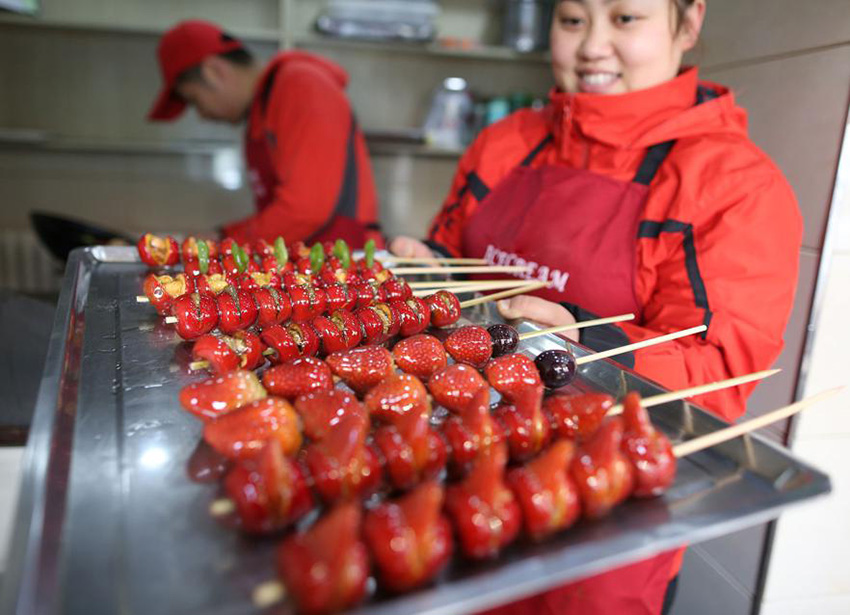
<point>622,120</point>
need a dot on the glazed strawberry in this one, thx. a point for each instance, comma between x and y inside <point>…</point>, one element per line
<point>241,434</point>
<point>511,374</point>
<point>290,341</point>
<point>455,386</point>
<point>217,396</point>
<point>269,491</point>
<point>394,397</point>
<point>322,411</point>
<point>339,330</point>
<point>236,310</point>
<point>577,416</point>
<point>526,427</point>
<point>325,569</point>
<point>411,449</point>
<point>362,368</point>
<point>420,355</point>
<point>298,377</point>
<point>409,538</point>
<point>484,511</point>
<point>603,474</point>
<point>546,492</point>
<point>649,450</point>
<point>472,431</point>
<point>342,466</point>
<point>470,345</point>
<point>445,308</point>
<point>273,307</point>
<point>196,315</point>
<point>413,315</point>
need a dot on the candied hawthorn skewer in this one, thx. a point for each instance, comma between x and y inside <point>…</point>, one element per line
<point>158,251</point>
<point>225,353</point>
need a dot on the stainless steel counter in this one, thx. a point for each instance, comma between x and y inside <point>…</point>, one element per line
<point>109,522</point>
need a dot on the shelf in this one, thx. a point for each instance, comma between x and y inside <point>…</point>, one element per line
<point>260,35</point>
<point>481,52</point>
<point>36,140</point>
<point>43,141</point>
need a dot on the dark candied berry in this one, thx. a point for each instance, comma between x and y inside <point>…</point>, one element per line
<point>557,367</point>
<point>505,339</point>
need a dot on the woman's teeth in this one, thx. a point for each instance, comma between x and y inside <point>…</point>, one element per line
<point>598,79</point>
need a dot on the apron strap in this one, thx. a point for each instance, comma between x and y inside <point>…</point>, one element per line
<point>346,203</point>
<point>656,154</point>
<point>533,153</point>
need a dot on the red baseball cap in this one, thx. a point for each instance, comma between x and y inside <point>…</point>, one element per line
<point>182,47</point>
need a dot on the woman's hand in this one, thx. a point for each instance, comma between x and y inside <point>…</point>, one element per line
<point>539,310</point>
<point>408,247</point>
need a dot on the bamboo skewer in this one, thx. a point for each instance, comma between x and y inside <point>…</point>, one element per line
<point>527,288</point>
<point>472,288</point>
<point>268,593</point>
<point>436,260</point>
<point>436,285</point>
<point>576,325</point>
<point>440,284</point>
<point>733,431</point>
<point>637,345</point>
<point>461,269</point>
<point>663,398</point>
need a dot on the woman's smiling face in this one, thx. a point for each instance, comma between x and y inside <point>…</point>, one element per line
<point>618,46</point>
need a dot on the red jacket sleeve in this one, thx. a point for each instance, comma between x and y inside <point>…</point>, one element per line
<point>746,247</point>
<point>447,227</point>
<point>311,119</point>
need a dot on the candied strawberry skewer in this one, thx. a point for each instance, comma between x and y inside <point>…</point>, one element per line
<point>412,451</point>
<point>333,546</point>
<point>483,509</point>
<point>409,538</point>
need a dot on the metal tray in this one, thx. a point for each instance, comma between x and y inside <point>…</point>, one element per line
<point>109,522</point>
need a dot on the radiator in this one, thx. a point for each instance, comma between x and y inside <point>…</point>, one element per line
<point>26,266</point>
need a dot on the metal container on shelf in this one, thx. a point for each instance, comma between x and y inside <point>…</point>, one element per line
<point>109,521</point>
<point>526,24</point>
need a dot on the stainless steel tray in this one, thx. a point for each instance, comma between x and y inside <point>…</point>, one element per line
<point>109,522</point>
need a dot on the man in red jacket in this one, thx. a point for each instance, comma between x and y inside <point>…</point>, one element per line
<point>306,157</point>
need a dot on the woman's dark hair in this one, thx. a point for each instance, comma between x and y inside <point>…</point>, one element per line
<point>681,7</point>
<point>240,57</point>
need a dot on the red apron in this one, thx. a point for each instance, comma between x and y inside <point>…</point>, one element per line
<point>577,230</point>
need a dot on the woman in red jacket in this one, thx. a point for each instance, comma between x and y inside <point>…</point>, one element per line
<point>635,190</point>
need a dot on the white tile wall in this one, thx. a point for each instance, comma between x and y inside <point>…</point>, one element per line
<point>10,470</point>
<point>808,570</point>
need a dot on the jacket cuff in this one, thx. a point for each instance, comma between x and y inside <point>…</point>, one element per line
<point>603,337</point>
<point>438,248</point>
